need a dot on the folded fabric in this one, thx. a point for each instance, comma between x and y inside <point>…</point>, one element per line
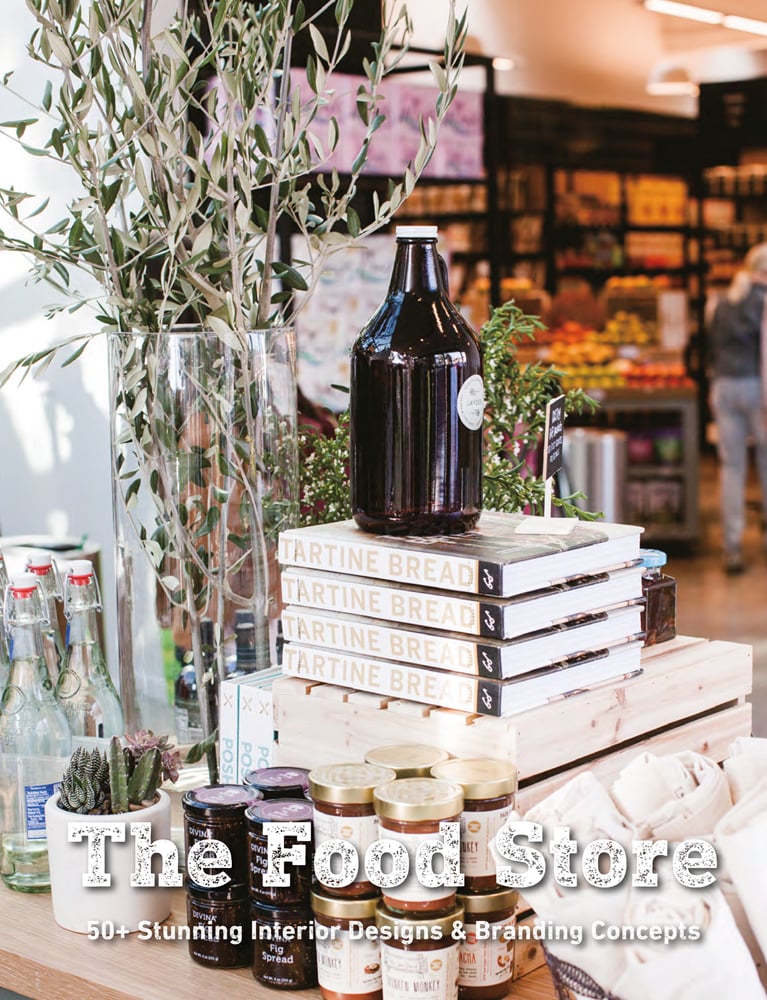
<point>746,765</point>
<point>673,797</point>
<point>740,837</point>
<point>716,966</point>
<point>585,806</point>
<point>743,924</point>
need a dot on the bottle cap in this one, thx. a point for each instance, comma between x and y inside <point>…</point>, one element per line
<point>652,558</point>
<point>23,585</point>
<point>416,232</point>
<point>39,563</point>
<point>80,571</point>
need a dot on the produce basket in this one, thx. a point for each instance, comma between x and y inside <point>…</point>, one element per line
<point>572,983</point>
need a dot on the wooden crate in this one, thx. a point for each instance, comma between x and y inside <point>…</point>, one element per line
<point>691,696</point>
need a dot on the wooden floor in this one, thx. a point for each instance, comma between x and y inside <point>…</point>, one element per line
<point>716,606</point>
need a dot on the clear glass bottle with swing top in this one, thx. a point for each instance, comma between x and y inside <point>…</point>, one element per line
<point>5,661</point>
<point>41,565</point>
<point>84,688</point>
<point>35,741</point>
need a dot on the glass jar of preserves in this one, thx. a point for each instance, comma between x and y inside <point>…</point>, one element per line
<point>410,811</point>
<point>659,590</point>
<point>342,795</point>
<point>296,893</point>
<point>486,954</point>
<point>217,812</point>
<point>283,946</point>
<point>219,924</point>
<point>348,966</point>
<point>408,760</point>
<point>278,782</point>
<point>488,798</point>
<point>419,954</point>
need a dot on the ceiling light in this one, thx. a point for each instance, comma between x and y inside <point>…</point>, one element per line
<point>686,10</point>
<point>749,24</point>
<point>503,63</point>
<point>671,81</point>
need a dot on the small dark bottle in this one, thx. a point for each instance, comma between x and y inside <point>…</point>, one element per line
<point>417,403</point>
<point>186,704</point>
<point>252,644</point>
<point>659,590</point>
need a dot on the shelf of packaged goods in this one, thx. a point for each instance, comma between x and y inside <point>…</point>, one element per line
<point>39,959</point>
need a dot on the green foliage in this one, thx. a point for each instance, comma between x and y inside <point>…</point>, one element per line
<point>178,226</point>
<point>118,775</point>
<point>516,397</point>
<point>206,748</point>
<point>85,784</point>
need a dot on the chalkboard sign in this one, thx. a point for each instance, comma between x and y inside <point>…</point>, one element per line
<point>554,436</point>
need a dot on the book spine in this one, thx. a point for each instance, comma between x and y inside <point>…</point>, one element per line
<point>416,564</point>
<point>398,604</point>
<point>396,680</point>
<point>256,735</point>
<point>370,638</point>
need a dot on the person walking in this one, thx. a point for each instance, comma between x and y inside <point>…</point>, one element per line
<point>737,397</point>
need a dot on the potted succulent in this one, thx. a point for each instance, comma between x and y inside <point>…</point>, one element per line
<point>178,223</point>
<point>110,791</point>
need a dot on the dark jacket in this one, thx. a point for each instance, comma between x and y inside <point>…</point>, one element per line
<point>735,335</point>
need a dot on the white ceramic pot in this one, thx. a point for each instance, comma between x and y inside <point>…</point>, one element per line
<point>119,905</point>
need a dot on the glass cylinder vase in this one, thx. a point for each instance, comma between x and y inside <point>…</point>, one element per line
<point>205,476</point>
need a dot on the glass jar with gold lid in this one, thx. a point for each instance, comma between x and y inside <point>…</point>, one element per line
<point>342,797</point>
<point>486,958</point>
<point>408,760</point>
<point>410,811</point>
<point>348,965</point>
<point>419,954</point>
<point>489,787</point>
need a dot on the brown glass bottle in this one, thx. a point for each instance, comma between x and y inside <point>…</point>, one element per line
<point>416,404</point>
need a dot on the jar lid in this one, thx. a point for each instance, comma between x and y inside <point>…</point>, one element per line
<point>288,781</point>
<point>231,893</point>
<point>403,926</point>
<point>488,902</point>
<point>652,558</point>
<point>413,799</point>
<point>280,914</point>
<point>408,760</point>
<point>280,811</point>
<point>480,777</point>
<point>345,908</point>
<point>218,800</point>
<point>416,232</point>
<point>347,784</point>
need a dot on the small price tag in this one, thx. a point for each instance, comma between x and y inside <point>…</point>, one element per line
<point>554,436</point>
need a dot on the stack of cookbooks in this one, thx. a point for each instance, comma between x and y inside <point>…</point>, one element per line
<point>516,613</point>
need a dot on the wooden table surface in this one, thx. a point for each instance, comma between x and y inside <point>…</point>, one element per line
<point>43,961</point>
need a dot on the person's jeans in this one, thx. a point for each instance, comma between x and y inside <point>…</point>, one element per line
<point>740,415</point>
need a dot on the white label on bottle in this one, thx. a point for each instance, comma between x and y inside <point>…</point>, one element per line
<point>411,890</point>
<point>188,729</point>
<point>477,830</point>
<point>361,831</point>
<point>490,960</point>
<point>35,797</point>
<point>428,975</point>
<point>348,966</point>
<point>471,402</point>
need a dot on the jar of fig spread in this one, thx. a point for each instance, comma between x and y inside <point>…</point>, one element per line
<point>410,811</point>
<point>278,782</point>
<point>486,955</point>
<point>283,946</point>
<point>408,760</point>
<point>488,799</point>
<point>342,795</point>
<point>419,954</point>
<point>219,924</point>
<point>258,817</point>
<point>217,812</point>
<point>348,964</point>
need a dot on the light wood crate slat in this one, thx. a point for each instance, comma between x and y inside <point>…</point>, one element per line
<point>710,735</point>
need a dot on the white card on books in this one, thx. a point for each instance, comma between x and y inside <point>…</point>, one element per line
<point>535,525</point>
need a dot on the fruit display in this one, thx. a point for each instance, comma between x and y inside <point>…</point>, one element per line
<point>594,359</point>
